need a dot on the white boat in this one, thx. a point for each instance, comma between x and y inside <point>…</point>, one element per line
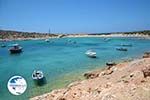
<point>107,39</point>
<point>46,40</point>
<point>110,63</point>
<point>3,45</point>
<point>37,75</point>
<point>91,53</point>
<point>126,45</point>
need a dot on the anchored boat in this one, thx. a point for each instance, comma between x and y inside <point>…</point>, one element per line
<point>110,63</point>
<point>126,45</point>
<point>3,45</point>
<point>91,53</point>
<point>47,40</point>
<point>38,77</point>
<point>122,49</point>
<point>15,48</point>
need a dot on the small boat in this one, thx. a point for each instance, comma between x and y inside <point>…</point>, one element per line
<point>110,63</point>
<point>122,49</point>
<point>3,45</point>
<point>60,36</point>
<point>47,40</point>
<point>91,53</point>
<point>107,39</point>
<point>37,75</point>
<point>69,40</point>
<point>126,45</point>
<point>146,55</point>
<point>15,48</point>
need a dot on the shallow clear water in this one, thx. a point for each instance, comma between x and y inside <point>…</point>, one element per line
<point>61,60</point>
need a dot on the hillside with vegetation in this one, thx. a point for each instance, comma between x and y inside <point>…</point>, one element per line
<point>145,32</point>
<point>5,34</point>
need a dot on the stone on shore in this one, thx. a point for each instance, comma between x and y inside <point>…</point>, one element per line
<point>146,55</point>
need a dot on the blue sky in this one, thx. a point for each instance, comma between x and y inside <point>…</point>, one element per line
<point>75,16</point>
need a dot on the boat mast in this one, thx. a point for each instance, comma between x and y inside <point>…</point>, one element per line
<point>49,31</point>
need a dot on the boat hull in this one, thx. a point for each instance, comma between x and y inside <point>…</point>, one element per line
<point>121,49</point>
<point>13,51</point>
<point>3,46</point>
<point>40,82</point>
<point>92,56</point>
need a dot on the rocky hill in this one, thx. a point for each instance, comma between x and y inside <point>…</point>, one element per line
<point>5,34</point>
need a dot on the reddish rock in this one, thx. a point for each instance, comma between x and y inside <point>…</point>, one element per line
<point>146,55</point>
<point>146,71</point>
<point>91,75</point>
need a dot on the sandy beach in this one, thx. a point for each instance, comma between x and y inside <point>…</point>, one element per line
<point>129,80</point>
<point>112,35</point>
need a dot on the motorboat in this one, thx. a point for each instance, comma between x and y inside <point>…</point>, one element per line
<point>110,63</point>
<point>47,40</point>
<point>122,49</point>
<point>91,53</point>
<point>126,45</point>
<point>15,48</point>
<point>3,45</point>
<point>107,39</point>
<point>37,75</point>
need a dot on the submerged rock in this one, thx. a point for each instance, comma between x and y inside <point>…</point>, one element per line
<point>91,75</point>
<point>62,99</point>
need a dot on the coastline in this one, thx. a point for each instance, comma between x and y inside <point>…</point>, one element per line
<point>25,39</point>
<point>82,35</point>
<point>112,35</point>
<point>119,82</point>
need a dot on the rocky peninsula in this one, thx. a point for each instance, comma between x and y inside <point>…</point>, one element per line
<point>129,80</point>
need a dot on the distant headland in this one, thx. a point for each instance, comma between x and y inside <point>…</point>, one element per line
<point>18,35</point>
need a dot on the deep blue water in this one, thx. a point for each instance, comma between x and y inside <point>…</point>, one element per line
<point>61,60</point>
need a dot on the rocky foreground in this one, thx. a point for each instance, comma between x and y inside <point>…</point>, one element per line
<point>124,81</point>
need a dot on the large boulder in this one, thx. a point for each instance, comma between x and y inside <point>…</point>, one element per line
<point>146,71</point>
<point>146,55</point>
<point>91,75</point>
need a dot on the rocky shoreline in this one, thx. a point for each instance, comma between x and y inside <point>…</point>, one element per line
<point>123,81</point>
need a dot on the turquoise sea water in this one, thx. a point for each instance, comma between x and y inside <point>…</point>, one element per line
<point>61,60</point>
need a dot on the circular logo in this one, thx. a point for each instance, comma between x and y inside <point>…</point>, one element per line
<point>17,85</point>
